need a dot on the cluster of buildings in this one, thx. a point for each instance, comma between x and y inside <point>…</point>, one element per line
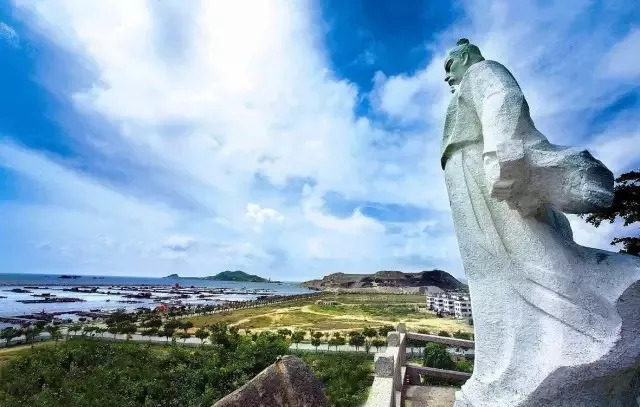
<point>456,304</point>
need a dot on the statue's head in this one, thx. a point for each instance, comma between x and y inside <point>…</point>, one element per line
<point>458,60</point>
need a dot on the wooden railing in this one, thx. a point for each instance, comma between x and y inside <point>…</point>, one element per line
<point>391,372</point>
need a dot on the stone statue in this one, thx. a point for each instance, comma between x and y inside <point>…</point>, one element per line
<point>556,324</point>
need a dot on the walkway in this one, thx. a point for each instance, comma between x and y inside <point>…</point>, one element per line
<point>429,396</point>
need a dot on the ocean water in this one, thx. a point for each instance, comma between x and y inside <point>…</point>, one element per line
<point>114,288</point>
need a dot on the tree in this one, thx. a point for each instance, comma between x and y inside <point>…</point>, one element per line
<point>75,328</point>
<point>384,330</point>
<point>184,336</point>
<point>100,331</point>
<point>30,334</point>
<point>444,333</point>
<point>166,333</point>
<point>173,324</point>
<point>153,322</point>
<point>436,355</point>
<point>464,366</point>
<point>284,332</point>
<point>351,334</point>
<point>315,342</point>
<point>9,333</point>
<point>462,335</point>
<point>626,205</point>
<point>378,343</point>
<point>113,330</point>
<point>370,332</point>
<point>186,325</point>
<point>297,337</point>
<point>53,331</point>
<point>202,334</point>
<point>150,332</point>
<point>333,342</point>
<point>357,341</point>
<point>127,329</point>
<point>88,329</point>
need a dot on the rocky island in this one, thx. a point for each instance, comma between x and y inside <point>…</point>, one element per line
<point>386,280</point>
<point>238,276</point>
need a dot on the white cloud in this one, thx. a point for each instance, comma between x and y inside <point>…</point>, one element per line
<point>232,104</point>
<point>259,216</point>
<point>248,96</point>
<point>623,60</point>
<point>615,150</point>
<point>9,35</point>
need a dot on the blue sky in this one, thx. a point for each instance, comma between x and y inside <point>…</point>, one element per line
<point>288,139</point>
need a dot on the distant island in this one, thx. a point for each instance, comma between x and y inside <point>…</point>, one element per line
<point>237,275</point>
<point>386,280</point>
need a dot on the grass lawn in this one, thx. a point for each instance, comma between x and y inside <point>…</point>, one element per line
<point>350,311</point>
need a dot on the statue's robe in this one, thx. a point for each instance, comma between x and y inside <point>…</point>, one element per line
<point>547,312</point>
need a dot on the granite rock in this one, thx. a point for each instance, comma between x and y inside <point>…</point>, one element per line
<point>289,382</point>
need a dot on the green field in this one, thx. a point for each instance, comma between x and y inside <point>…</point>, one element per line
<point>338,312</point>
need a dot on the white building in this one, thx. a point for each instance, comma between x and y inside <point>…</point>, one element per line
<point>458,305</point>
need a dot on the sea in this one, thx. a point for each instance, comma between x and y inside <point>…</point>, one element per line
<point>113,289</point>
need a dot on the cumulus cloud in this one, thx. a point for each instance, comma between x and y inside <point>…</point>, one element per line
<point>260,215</point>
<point>220,115</point>
<point>239,131</point>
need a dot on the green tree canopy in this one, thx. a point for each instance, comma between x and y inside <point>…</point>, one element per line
<point>626,205</point>
<point>436,355</point>
<point>202,334</point>
<point>357,341</point>
<point>370,332</point>
<point>297,337</point>
<point>384,330</point>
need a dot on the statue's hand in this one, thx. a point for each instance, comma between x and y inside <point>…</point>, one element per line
<point>503,189</point>
<point>510,175</point>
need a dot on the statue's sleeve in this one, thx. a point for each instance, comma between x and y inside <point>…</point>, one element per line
<point>499,103</point>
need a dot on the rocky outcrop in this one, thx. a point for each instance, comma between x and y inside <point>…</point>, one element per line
<point>287,383</point>
<point>385,278</point>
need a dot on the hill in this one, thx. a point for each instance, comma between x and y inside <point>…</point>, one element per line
<point>228,276</point>
<point>386,278</point>
<point>237,276</point>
